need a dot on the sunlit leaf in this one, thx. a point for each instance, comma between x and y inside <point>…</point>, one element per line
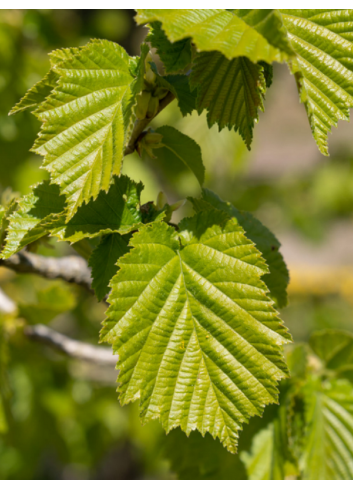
<point>199,342</point>
<point>277,279</point>
<point>257,34</point>
<point>323,67</point>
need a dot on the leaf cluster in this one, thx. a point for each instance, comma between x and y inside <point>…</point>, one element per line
<point>193,306</point>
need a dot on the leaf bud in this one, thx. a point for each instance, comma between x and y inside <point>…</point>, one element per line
<point>152,107</point>
<point>142,104</point>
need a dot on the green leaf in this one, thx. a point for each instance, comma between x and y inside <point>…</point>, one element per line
<point>265,461</point>
<point>181,149</point>
<point>103,261</point>
<point>174,56</point>
<point>328,449</point>
<point>333,347</point>
<point>270,457</point>
<point>10,205</point>
<point>277,279</point>
<point>269,24</point>
<point>26,224</point>
<point>41,90</point>
<point>116,211</point>
<point>198,340</point>
<point>230,91</point>
<point>297,360</point>
<point>87,121</point>
<point>257,34</point>
<point>37,94</point>
<point>42,213</point>
<point>186,97</point>
<point>323,67</point>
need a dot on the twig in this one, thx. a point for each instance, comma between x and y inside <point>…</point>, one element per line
<point>73,269</point>
<point>72,348</point>
<point>140,125</point>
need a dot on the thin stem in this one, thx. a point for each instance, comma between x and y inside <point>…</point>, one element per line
<point>140,125</point>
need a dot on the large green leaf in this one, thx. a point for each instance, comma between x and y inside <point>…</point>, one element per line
<point>323,67</point>
<point>87,119</point>
<point>26,224</point>
<point>199,342</point>
<point>230,91</point>
<point>277,279</point>
<point>181,149</point>
<point>257,34</point>
<point>328,449</point>
<point>103,261</point>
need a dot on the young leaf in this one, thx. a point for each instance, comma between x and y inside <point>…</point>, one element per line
<point>257,34</point>
<point>278,278</point>
<point>231,91</point>
<point>103,261</point>
<point>86,121</point>
<point>198,339</point>
<point>174,56</point>
<point>328,449</point>
<point>26,224</point>
<point>181,149</point>
<point>323,67</point>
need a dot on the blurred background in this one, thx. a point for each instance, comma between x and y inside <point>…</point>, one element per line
<point>59,418</point>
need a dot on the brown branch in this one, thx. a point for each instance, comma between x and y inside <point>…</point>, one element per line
<point>73,269</point>
<point>72,348</point>
<point>140,125</point>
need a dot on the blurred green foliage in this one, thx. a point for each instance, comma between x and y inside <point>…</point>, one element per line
<point>60,418</point>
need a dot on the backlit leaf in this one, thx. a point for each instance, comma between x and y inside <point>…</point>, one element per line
<point>257,34</point>
<point>328,449</point>
<point>199,342</point>
<point>86,121</point>
<point>277,279</point>
<point>230,91</point>
<point>25,225</point>
<point>323,67</point>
